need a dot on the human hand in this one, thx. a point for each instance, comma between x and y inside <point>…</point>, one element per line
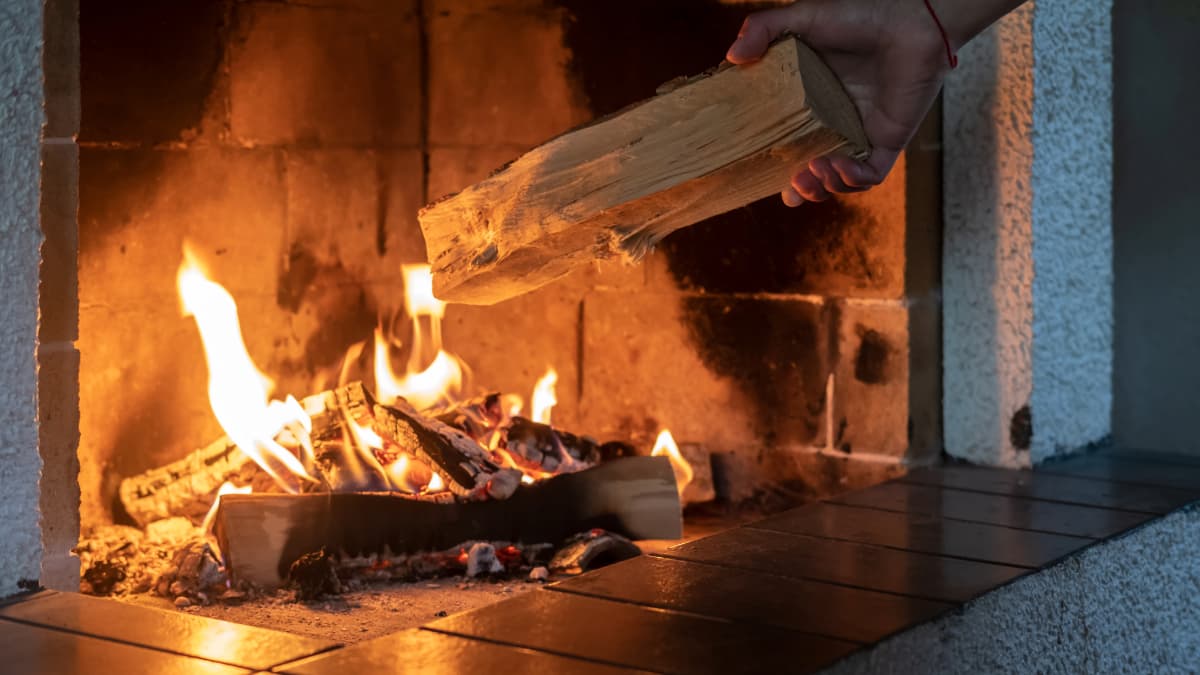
<point>890,57</point>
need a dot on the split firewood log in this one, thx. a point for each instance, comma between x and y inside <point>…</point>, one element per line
<point>615,187</point>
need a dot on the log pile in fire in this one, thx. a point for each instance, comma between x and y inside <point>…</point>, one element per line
<point>403,482</point>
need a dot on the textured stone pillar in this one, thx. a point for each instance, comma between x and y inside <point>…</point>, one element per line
<point>1028,239</point>
<point>21,120</point>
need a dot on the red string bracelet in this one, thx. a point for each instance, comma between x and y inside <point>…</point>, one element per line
<point>949,52</point>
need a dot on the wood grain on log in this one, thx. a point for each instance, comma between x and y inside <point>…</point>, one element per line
<point>261,535</point>
<point>614,188</point>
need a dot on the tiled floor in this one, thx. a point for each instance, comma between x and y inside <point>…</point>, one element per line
<point>792,593</point>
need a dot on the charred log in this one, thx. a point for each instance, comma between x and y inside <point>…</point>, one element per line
<point>464,466</point>
<point>593,550</point>
<point>261,535</point>
<point>542,448</point>
<point>186,487</point>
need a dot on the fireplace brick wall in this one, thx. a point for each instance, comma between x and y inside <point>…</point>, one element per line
<point>292,144</point>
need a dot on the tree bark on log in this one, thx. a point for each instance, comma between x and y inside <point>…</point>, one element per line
<point>261,535</point>
<point>614,188</point>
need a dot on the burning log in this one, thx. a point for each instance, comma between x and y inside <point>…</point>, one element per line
<point>542,448</point>
<point>262,535</point>
<point>614,188</point>
<point>186,487</point>
<point>463,465</point>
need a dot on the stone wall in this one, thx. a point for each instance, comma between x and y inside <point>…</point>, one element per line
<point>292,143</point>
<point>1028,247</point>
<point>21,119</point>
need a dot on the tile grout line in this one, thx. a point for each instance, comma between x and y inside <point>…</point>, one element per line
<point>1027,498</point>
<point>935,517</point>
<point>953,602</point>
<point>899,548</point>
<point>907,481</point>
<point>130,643</point>
<point>701,615</point>
<point>575,657</point>
<point>885,509</point>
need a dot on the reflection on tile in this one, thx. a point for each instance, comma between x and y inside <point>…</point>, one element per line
<point>1057,488</point>
<point>916,574</point>
<point>926,534</point>
<point>750,597</point>
<point>1122,470</point>
<point>430,653</point>
<point>35,650</point>
<point>1016,512</point>
<point>624,634</point>
<point>211,639</point>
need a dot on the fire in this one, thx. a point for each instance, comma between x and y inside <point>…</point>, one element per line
<point>277,434</point>
<point>544,398</point>
<point>237,391</point>
<point>440,381</point>
<point>227,488</point>
<point>665,445</point>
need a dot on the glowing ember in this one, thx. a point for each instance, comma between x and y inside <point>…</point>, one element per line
<point>665,445</point>
<point>237,391</point>
<point>435,484</point>
<point>544,398</point>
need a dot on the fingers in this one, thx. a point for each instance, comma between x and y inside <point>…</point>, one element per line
<point>838,174</point>
<point>760,29</point>
<point>792,198</point>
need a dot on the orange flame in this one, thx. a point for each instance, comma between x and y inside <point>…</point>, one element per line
<point>237,391</point>
<point>227,488</point>
<point>544,398</point>
<point>437,383</point>
<point>665,445</point>
<point>440,381</point>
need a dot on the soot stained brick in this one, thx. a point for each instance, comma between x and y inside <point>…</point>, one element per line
<point>775,351</point>
<point>871,363</point>
<point>147,67</point>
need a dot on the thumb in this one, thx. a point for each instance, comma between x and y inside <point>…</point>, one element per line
<point>762,28</point>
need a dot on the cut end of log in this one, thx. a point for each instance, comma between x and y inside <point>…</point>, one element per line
<point>614,188</point>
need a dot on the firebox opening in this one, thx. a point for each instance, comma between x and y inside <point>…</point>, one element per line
<point>288,146</point>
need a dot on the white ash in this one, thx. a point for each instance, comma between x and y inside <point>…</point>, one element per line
<point>481,559</point>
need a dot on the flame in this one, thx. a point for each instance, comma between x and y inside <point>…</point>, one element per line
<point>438,383</point>
<point>435,484</point>
<point>237,391</point>
<point>544,398</point>
<point>431,385</point>
<point>408,475</point>
<point>665,445</point>
<point>227,488</point>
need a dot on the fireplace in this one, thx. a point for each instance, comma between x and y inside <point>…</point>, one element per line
<point>289,146</point>
<point>794,353</point>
